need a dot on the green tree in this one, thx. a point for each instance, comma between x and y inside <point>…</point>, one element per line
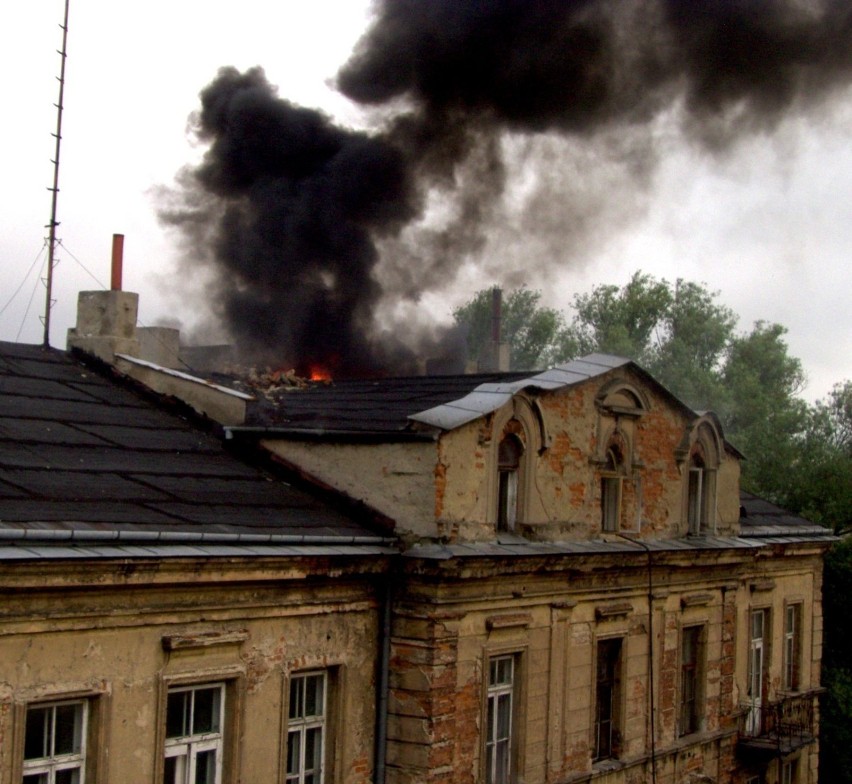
<point>537,335</point>
<point>819,486</point>
<point>624,321</point>
<point>762,411</point>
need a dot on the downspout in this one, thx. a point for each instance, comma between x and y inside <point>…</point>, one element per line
<point>382,685</point>
<point>651,706</point>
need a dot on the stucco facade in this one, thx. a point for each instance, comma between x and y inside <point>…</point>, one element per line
<point>546,580</point>
<point>119,637</point>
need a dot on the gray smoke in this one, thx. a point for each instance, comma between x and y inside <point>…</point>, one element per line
<point>310,227</point>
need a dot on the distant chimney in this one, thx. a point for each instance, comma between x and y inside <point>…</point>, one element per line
<point>496,314</point>
<point>117,261</point>
<point>494,355</point>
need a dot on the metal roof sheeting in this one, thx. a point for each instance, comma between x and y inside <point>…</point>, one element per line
<point>488,397</point>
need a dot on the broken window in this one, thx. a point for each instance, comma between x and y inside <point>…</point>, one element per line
<point>691,678</point>
<point>608,699</point>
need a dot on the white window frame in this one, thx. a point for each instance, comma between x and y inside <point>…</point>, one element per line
<point>52,763</point>
<point>500,741</point>
<point>700,498</point>
<point>299,724</point>
<point>792,646</point>
<point>611,481</point>
<point>186,749</point>
<point>508,484</point>
<point>756,669</point>
<point>789,771</point>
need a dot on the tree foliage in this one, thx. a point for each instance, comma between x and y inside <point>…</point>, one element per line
<point>537,336</point>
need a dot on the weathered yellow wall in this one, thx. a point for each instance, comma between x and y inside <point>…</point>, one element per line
<point>397,479</point>
<point>101,631</point>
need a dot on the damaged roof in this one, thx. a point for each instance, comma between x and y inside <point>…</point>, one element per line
<point>363,406</point>
<point>408,406</point>
<point>84,457</point>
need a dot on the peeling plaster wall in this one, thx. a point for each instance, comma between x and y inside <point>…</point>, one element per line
<point>108,639</point>
<point>549,614</point>
<point>560,495</point>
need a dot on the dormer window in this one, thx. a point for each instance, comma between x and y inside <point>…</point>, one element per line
<point>701,492</point>
<point>508,470</point>
<point>611,477</point>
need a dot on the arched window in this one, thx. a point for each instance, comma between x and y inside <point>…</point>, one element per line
<point>611,478</point>
<point>701,493</point>
<point>509,456</point>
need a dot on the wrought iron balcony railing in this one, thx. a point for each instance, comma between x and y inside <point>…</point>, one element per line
<point>778,727</point>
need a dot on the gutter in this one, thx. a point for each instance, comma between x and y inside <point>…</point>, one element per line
<point>183,537</point>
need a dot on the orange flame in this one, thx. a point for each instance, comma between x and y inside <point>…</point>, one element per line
<point>319,373</point>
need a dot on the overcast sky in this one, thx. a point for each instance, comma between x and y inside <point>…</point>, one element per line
<point>767,223</point>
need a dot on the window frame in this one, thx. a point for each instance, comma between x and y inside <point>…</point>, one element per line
<point>612,479</point>
<point>793,645</point>
<point>97,702</point>
<point>51,762</point>
<point>509,483</point>
<point>515,740</point>
<point>789,773</point>
<point>301,725</point>
<point>700,497</point>
<point>499,743</point>
<point>691,674</point>
<point>192,744</point>
<point>613,747</point>
<point>758,645</point>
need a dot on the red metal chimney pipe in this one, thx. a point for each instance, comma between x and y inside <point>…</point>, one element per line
<point>117,261</point>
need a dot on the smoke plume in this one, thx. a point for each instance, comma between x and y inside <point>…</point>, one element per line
<point>310,228</point>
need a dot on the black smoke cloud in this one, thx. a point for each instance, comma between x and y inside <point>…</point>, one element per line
<point>291,211</point>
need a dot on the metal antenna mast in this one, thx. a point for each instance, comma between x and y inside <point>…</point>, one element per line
<point>48,283</point>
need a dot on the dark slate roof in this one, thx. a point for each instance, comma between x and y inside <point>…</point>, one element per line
<point>760,518</point>
<point>377,406</point>
<point>85,458</point>
<point>414,406</point>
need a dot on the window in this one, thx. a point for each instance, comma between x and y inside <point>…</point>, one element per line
<point>792,645</point>
<point>194,737</point>
<point>690,680</point>
<point>55,743</point>
<point>508,468</point>
<point>608,699</point>
<point>306,728</point>
<point>611,491</point>
<point>789,771</point>
<point>500,731</point>
<point>756,675</point>
<point>701,506</point>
